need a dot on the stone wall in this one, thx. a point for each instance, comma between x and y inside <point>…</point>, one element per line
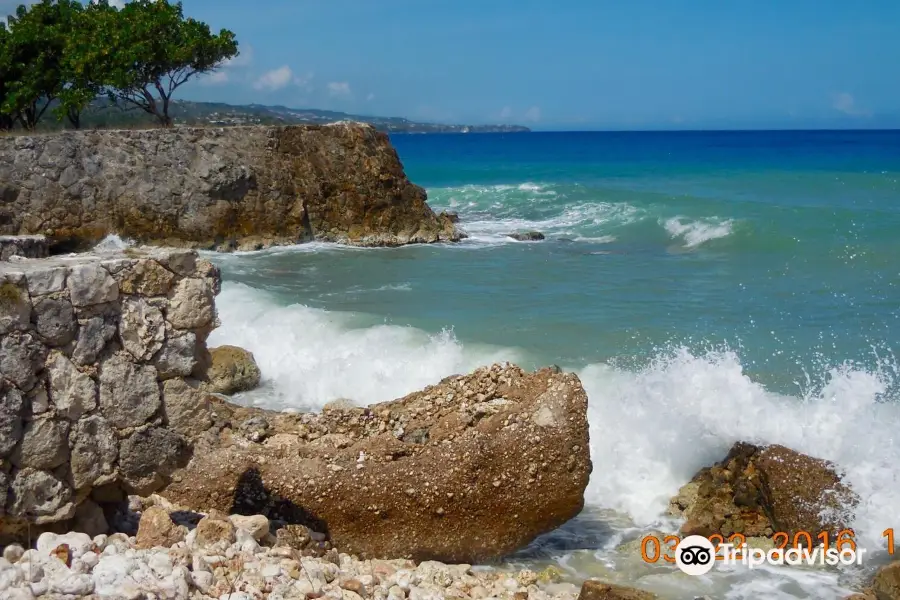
<point>24,246</point>
<point>221,188</point>
<point>100,356</point>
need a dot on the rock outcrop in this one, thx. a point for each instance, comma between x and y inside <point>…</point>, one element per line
<point>470,469</point>
<point>24,246</point>
<point>98,389</point>
<point>758,491</point>
<point>527,236</point>
<point>216,188</point>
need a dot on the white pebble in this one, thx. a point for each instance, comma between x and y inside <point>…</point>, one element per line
<point>13,553</point>
<point>203,580</point>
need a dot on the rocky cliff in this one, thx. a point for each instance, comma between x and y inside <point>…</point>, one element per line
<point>215,188</point>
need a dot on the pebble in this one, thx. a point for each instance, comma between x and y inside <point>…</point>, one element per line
<point>247,569</point>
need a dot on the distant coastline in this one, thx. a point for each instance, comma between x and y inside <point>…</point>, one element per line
<point>101,114</point>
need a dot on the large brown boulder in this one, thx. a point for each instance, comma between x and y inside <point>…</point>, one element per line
<point>467,470</point>
<point>758,491</point>
<point>598,590</point>
<point>223,188</point>
<point>887,582</point>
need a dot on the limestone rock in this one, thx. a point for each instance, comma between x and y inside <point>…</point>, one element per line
<point>21,357</point>
<point>12,407</point>
<point>15,305</point>
<point>94,451</point>
<point>93,335</point>
<point>54,320</point>
<point>44,445</point>
<point>147,456</point>
<point>246,187</point>
<point>142,328</point>
<point>24,246</point>
<point>255,525</point>
<point>156,528</point>
<point>186,407</point>
<point>758,491</point>
<point>178,356</point>
<point>598,590</point>
<point>72,392</point>
<point>233,369</point>
<point>129,394</point>
<point>215,527</point>
<point>90,283</point>
<point>46,281</point>
<point>40,495</point>
<point>887,582</point>
<point>488,462</point>
<point>191,305</point>
<point>145,278</point>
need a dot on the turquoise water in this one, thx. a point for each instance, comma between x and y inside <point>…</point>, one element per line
<point>706,287</point>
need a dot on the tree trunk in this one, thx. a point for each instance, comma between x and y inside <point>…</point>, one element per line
<point>74,118</point>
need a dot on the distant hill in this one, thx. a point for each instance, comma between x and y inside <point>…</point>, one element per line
<point>103,114</point>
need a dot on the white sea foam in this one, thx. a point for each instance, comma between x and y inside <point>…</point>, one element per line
<point>113,242</point>
<point>697,232</point>
<point>310,356</point>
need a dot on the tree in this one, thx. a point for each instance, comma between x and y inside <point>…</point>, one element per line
<point>155,50</point>
<point>6,76</point>
<point>34,50</point>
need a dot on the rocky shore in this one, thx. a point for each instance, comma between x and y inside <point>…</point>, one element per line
<point>216,188</point>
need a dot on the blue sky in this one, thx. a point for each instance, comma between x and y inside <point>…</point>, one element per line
<point>570,64</point>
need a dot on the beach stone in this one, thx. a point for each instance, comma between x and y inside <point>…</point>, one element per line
<point>147,456</point>
<point>46,281</point>
<point>157,529</point>
<point>13,552</point>
<point>142,328</point>
<point>129,394</point>
<point>886,584</point>
<point>215,527</point>
<point>93,335</point>
<point>233,370</point>
<point>145,278</point>
<point>21,358</point>
<point>491,459</point>
<point>759,490</point>
<point>178,356</point>
<point>42,495</point>
<point>94,451</point>
<point>54,320</point>
<point>90,283</point>
<point>72,392</point>
<point>255,525</point>
<point>12,408</point>
<point>186,407</point>
<point>44,445</point>
<point>191,305</point>
<point>15,305</point>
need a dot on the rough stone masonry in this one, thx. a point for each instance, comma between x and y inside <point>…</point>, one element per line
<point>99,355</point>
<point>214,188</point>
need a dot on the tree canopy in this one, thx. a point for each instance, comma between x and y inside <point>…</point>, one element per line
<point>62,55</point>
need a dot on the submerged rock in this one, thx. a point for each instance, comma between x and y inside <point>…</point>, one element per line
<point>758,491</point>
<point>467,470</point>
<point>527,236</point>
<point>598,590</point>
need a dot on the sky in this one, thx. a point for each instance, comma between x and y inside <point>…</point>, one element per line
<point>567,64</point>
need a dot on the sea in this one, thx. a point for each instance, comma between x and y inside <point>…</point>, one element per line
<point>707,287</point>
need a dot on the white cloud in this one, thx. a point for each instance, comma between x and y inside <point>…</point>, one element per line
<point>370,97</point>
<point>275,79</point>
<point>505,112</point>
<point>533,114</point>
<point>339,88</point>
<point>845,102</point>
<point>243,59</point>
<point>215,78</point>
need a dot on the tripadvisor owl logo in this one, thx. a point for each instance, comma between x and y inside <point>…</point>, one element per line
<point>695,555</point>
